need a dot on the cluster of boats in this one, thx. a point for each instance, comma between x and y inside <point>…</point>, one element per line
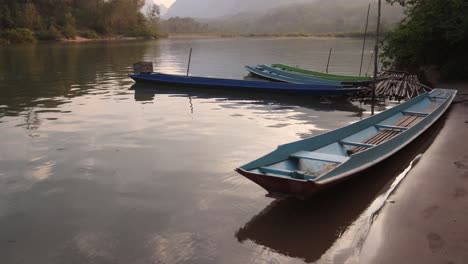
<point>285,79</point>
<point>304,167</point>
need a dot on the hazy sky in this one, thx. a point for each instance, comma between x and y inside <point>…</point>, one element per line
<point>165,2</point>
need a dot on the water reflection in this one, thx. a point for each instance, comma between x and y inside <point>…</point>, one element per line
<point>94,172</point>
<point>313,230</point>
<point>49,75</point>
<point>147,92</point>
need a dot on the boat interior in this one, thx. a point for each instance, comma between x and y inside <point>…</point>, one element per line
<point>311,164</point>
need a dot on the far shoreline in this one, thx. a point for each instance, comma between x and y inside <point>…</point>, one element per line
<point>79,39</point>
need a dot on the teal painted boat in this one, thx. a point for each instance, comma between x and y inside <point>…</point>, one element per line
<point>275,74</point>
<point>304,167</point>
<point>321,75</point>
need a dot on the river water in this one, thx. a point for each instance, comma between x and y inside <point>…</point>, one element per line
<point>94,169</point>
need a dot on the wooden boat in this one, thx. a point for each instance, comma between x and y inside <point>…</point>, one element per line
<point>275,74</point>
<point>231,84</point>
<point>321,75</point>
<point>304,167</point>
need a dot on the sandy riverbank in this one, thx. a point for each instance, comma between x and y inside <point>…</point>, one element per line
<point>427,218</point>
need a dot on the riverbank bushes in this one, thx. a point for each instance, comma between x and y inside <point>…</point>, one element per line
<point>58,19</point>
<point>14,36</point>
<point>434,35</point>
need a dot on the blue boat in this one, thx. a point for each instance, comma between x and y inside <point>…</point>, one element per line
<point>271,73</point>
<point>232,84</point>
<point>304,167</point>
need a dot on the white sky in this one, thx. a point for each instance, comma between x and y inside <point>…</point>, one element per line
<point>167,3</point>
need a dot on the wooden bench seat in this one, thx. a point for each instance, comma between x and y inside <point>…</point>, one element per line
<point>319,156</point>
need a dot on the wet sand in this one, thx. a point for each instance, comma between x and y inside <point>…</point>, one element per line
<point>426,218</point>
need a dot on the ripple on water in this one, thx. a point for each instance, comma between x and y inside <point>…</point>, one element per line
<point>180,247</point>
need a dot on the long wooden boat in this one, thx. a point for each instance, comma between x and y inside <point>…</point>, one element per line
<point>232,84</point>
<point>275,74</point>
<point>321,75</point>
<point>304,167</point>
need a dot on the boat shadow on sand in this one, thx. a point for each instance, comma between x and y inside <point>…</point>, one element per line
<point>307,229</point>
<point>148,92</point>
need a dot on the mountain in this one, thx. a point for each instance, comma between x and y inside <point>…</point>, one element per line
<point>163,10</point>
<point>315,16</point>
<point>219,8</point>
<point>149,5</point>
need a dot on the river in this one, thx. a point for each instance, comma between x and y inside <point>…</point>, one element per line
<point>95,170</point>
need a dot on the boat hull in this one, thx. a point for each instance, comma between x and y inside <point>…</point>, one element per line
<point>242,85</point>
<point>282,187</point>
<point>321,75</point>
<point>354,164</point>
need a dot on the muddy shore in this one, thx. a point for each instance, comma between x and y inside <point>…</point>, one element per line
<point>426,218</point>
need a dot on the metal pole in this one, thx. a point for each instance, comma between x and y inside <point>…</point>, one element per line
<point>376,56</point>
<point>189,61</point>
<point>365,38</point>
<point>329,55</point>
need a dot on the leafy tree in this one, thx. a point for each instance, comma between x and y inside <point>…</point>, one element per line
<point>6,20</point>
<point>434,33</point>
<point>28,17</point>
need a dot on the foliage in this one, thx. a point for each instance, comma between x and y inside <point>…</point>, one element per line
<point>19,35</point>
<point>434,33</point>
<point>49,34</point>
<point>89,34</point>
<point>183,25</point>
<point>53,19</point>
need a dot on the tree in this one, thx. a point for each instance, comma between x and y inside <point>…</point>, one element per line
<point>434,33</point>
<point>28,17</point>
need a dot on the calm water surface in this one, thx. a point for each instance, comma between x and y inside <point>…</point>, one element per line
<point>96,170</point>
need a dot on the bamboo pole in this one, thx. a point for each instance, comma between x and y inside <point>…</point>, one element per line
<point>364,42</point>
<point>328,63</point>
<point>376,56</point>
<point>189,61</point>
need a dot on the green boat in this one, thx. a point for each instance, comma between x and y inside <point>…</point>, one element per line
<point>321,75</point>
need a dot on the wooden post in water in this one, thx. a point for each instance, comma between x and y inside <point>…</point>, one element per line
<point>328,63</point>
<point>365,38</point>
<point>189,61</point>
<point>376,56</point>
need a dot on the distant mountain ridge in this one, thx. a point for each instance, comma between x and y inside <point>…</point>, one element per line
<point>220,8</point>
<point>149,4</point>
<point>314,16</point>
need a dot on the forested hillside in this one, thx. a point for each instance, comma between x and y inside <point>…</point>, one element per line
<point>320,16</point>
<point>220,8</point>
<point>54,19</point>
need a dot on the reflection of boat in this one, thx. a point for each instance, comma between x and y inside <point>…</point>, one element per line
<point>307,229</point>
<point>301,168</point>
<point>144,93</point>
<point>232,84</point>
<point>321,75</point>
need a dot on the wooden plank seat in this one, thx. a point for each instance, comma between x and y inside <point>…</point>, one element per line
<point>375,140</point>
<point>288,173</point>
<point>415,113</point>
<point>319,156</point>
<point>382,127</point>
<point>388,132</point>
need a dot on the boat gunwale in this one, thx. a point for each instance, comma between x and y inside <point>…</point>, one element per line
<point>295,75</point>
<point>322,180</point>
<point>433,117</point>
<point>326,76</point>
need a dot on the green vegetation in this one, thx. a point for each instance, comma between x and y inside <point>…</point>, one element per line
<point>183,25</point>
<point>26,20</point>
<point>434,34</point>
<point>19,35</point>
